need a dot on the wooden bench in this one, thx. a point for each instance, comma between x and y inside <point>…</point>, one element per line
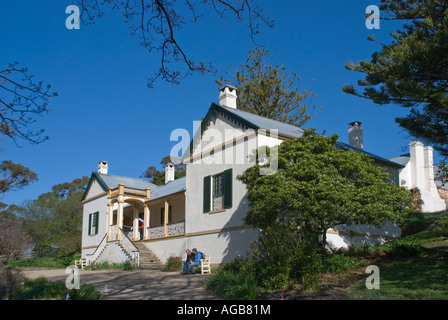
<point>82,263</point>
<point>205,266</point>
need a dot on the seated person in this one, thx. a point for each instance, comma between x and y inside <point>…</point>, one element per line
<point>186,262</point>
<point>196,261</point>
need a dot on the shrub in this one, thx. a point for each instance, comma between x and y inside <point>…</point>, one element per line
<point>173,264</point>
<point>338,263</point>
<point>10,281</point>
<point>85,292</point>
<point>232,285</point>
<point>405,247</point>
<point>42,288</point>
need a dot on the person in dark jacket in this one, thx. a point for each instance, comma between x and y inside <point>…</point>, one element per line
<point>187,262</point>
<point>196,261</point>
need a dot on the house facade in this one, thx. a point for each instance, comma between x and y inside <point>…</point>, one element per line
<point>204,209</point>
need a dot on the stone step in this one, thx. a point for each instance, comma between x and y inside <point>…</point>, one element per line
<point>148,260</point>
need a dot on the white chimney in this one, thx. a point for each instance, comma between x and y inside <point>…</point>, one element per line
<point>169,172</point>
<point>227,96</point>
<point>422,176</point>
<point>355,135</point>
<point>103,167</point>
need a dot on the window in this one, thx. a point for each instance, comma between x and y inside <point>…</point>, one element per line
<point>218,191</point>
<point>93,223</point>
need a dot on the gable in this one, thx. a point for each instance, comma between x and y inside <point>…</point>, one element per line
<point>219,129</point>
<point>95,186</point>
<point>94,189</point>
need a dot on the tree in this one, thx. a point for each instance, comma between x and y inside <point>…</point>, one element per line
<point>318,186</point>
<point>14,176</point>
<point>158,177</point>
<point>157,21</point>
<point>266,90</point>
<point>54,219</point>
<point>412,71</point>
<point>22,99</point>
<point>13,240</point>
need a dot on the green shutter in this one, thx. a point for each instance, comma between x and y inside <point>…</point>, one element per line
<point>97,220</point>
<point>90,224</point>
<point>207,195</point>
<point>228,180</point>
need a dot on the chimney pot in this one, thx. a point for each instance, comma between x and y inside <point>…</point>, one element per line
<point>169,172</point>
<point>103,167</point>
<point>227,96</point>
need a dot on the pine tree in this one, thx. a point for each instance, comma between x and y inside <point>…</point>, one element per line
<point>412,71</point>
<point>266,90</point>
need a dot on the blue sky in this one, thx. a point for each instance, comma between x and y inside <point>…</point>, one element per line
<point>104,110</point>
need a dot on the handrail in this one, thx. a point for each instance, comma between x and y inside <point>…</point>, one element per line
<point>130,248</point>
<point>91,260</point>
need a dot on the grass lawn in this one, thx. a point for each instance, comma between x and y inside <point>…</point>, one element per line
<point>421,276</point>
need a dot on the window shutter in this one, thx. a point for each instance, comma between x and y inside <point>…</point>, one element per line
<point>97,220</point>
<point>90,225</point>
<point>207,194</point>
<point>228,194</point>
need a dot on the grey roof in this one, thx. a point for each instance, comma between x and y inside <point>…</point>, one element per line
<point>295,132</point>
<point>266,123</point>
<point>403,159</point>
<point>112,181</point>
<point>157,192</point>
<point>171,187</point>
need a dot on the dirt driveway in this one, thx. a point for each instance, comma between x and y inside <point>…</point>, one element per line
<point>135,284</point>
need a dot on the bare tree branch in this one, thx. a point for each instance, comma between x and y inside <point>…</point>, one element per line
<point>21,100</point>
<point>156,21</point>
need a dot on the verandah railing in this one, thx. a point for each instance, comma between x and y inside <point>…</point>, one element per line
<point>173,229</point>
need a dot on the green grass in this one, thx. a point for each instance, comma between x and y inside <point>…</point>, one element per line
<point>231,285</point>
<point>45,262</point>
<point>416,266</point>
<point>41,288</point>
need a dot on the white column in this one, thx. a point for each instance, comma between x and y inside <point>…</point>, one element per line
<point>110,219</point>
<point>165,221</point>
<point>146,217</point>
<point>135,224</point>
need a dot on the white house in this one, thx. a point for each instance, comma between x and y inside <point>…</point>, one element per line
<point>204,209</point>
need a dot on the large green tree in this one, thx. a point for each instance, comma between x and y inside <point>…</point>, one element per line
<point>318,186</point>
<point>266,90</point>
<point>54,219</point>
<point>14,176</point>
<point>411,71</point>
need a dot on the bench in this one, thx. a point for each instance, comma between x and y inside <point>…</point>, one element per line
<point>82,263</point>
<point>205,266</point>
